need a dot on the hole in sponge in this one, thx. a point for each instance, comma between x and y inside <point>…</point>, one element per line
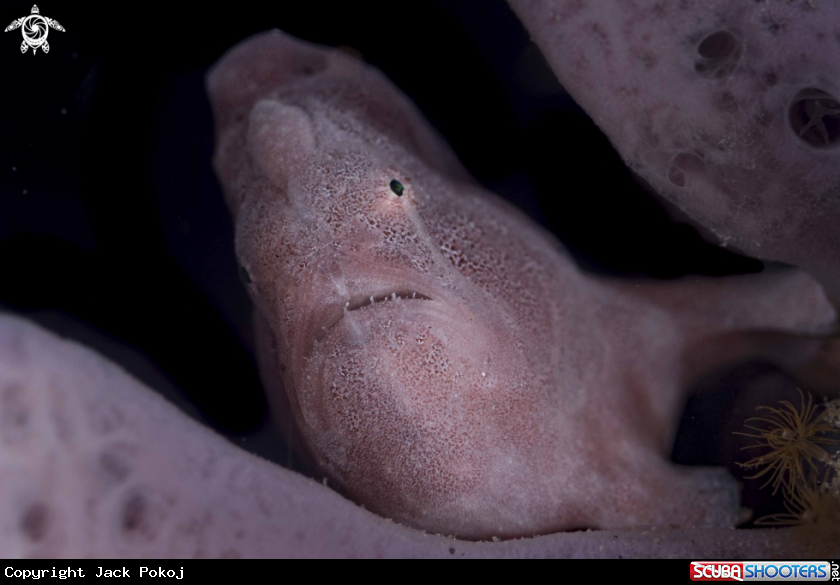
<point>683,163</point>
<point>719,54</point>
<point>815,117</point>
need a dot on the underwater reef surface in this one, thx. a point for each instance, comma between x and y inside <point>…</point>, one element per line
<point>110,214</point>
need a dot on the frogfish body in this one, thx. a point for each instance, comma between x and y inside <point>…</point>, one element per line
<point>439,357</point>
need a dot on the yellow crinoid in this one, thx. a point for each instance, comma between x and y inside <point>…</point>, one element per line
<point>792,438</point>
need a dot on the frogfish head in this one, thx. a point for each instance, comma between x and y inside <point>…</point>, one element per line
<point>401,299</point>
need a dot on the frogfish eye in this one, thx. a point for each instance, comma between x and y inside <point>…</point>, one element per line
<point>397,188</point>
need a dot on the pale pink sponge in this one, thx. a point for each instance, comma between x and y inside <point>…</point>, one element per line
<point>730,109</point>
<point>442,360</point>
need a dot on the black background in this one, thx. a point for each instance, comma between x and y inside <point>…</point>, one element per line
<point>112,225</point>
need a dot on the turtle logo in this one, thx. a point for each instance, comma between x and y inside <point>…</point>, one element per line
<point>35,28</point>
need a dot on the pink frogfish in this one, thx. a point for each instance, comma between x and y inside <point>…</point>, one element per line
<point>438,357</point>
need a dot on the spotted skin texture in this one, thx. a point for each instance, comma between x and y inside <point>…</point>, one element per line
<point>729,109</point>
<point>442,360</point>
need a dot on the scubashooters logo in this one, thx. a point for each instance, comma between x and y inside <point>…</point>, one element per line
<point>763,571</point>
<point>35,29</point>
